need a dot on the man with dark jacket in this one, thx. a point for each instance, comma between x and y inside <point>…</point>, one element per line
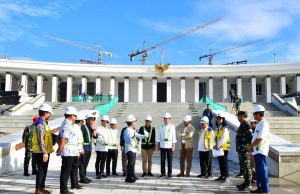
<point>208,113</point>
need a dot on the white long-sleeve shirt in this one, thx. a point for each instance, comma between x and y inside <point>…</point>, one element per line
<point>166,135</point>
<point>102,139</point>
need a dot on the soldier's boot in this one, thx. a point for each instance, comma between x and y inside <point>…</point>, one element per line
<point>26,171</point>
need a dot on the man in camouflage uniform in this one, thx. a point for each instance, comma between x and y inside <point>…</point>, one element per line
<point>243,140</point>
<point>27,140</point>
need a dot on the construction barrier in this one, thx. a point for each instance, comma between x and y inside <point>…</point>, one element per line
<point>213,105</point>
<point>105,108</point>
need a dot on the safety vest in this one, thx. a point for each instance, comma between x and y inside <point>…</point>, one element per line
<point>48,141</point>
<point>146,141</point>
<point>208,140</point>
<point>132,144</point>
<point>220,132</point>
<point>89,136</point>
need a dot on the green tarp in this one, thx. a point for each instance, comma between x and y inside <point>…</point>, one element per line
<point>105,108</point>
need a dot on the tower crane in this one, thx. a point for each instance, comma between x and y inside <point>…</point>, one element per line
<point>144,52</point>
<point>100,52</point>
<point>212,55</point>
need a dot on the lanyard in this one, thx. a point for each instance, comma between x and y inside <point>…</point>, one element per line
<point>166,137</point>
<point>88,132</point>
<point>149,138</point>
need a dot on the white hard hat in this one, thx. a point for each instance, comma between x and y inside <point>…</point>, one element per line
<point>113,121</point>
<point>258,108</point>
<point>105,118</point>
<point>46,108</point>
<point>204,120</point>
<point>167,115</point>
<point>130,118</point>
<point>80,117</point>
<point>148,118</point>
<point>221,114</point>
<point>187,118</point>
<point>70,110</point>
<point>91,115</point>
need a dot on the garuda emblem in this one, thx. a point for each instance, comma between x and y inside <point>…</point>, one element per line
<point>161,69</point>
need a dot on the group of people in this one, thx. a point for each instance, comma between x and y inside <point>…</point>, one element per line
<point>78,133</point>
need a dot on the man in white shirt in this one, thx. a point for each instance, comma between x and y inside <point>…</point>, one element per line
<point>260,149</point>
<point>101,148</point>
<point>166,139</point>
<point>112,154</point>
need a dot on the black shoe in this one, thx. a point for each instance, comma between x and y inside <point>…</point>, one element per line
<point>127,180</point>
<point>219,179</point>
<point>103,176</point>
<point>124,174</point>
<point>107,174</point>
<point>89,180</point>
<point>169,175</point>
<point>26,174</point>
<point>144,174</point>
<point>180,175</point>
<point>85,181</point>
<point>240,175</point>
<point>225,180</point>
<point>246,187</point>
<point>201,176</point>
<point>241,185</point>
<point>150,174</point>
<point>77,187</point>
<point>258,190</point>
<point>115,174</point>
<point>135,177</point>
<point>98,177</point>
<point>34,172</point>
<point>162,176</point>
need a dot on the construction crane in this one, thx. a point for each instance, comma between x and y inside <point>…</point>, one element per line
<point>212,55</point>
<point>144,52</point>
<point>100,52</point>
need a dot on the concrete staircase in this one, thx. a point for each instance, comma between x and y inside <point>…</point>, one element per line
<point>11,124</point>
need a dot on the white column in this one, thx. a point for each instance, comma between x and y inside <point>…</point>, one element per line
<point>169,89</point>
<point>69,88</point>
<point>268,89</point>
<point>112,86</point>
<point>8,82</point>
<point>126,89</point>
<point>54,88</point>
<point>253,89</point>
<point>282,85</point>
<point>239,86</point>
<point>98,85</point>
<point>24,83</point>
<point>196,84</point>
<point>182,90</point>
<point>225,92</point>
<point>154,89</point>
<point>84,85</point>
<point>297,83</point>
<point>39,84</point>
<point>140,89</point>
<point>211,88</point>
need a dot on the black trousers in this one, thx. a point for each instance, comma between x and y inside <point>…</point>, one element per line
<point>74,173</point>
<point>69,167</point>
<point>166,152</point>
<point>100,162</point>
<point>112,155</point>
<point>223,164</point>
<point>131,156</point>
<point>83,164</point>
<point>206,163</point>
<point>42,170</point>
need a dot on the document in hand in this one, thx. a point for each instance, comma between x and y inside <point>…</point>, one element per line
<point>217,153</point>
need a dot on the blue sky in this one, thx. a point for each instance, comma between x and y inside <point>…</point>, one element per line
<point>121,27</point>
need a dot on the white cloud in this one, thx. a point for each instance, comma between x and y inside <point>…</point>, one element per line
<point>13,11</point>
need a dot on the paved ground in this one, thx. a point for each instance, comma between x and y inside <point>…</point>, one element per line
<point>16,183</point>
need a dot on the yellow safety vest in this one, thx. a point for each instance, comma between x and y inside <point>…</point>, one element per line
<point>47,140</point>
<point>220,132</point>
<point>208,139</point>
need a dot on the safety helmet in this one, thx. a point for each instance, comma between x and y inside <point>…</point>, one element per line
<point>167,115</point>
<point>70,110</point>
<point>130,118</point>
<point>80,117</point>
<point>113,121</point>
<point>105,118</point>
<point>221,115</point>
<point>258,108</point>
<point>204,120</point>
<point>187,118</point>
<point>148,118</point>
<point>91,115</point>
<point>46,108</point>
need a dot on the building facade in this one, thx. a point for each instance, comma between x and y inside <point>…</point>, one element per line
<point>186,83</point>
